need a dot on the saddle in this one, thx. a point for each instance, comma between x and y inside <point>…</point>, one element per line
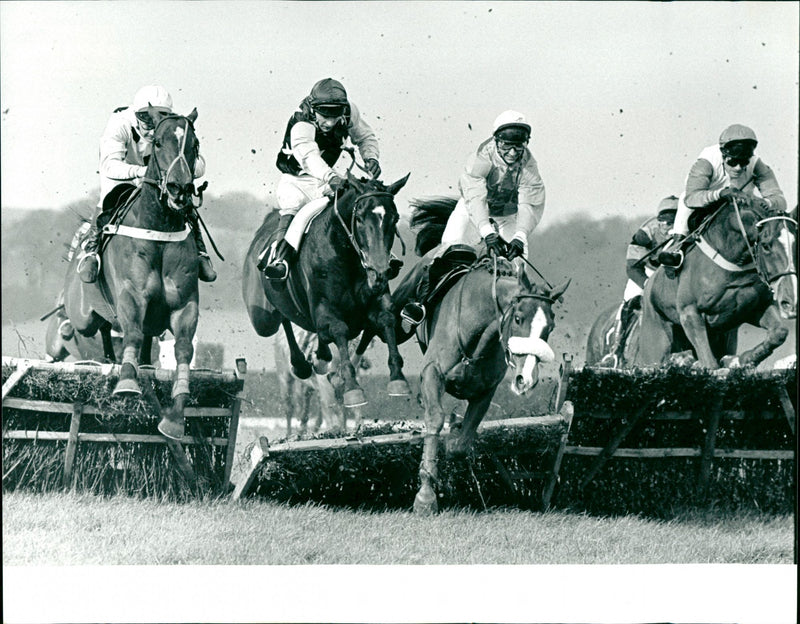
<point>446,270</point>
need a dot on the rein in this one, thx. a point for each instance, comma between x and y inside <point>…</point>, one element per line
<point>761,273</point>
<point>350,231</point>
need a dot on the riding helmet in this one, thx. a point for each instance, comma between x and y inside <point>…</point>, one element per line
<point>511,126</point>
<point>667,208</point>
<point>152,95</point>
<point>737,132</point>
<point>329,97</point>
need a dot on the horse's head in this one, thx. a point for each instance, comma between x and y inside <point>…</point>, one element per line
<point>775,251</point>
<point>175,151</point>
<point>526,324</point>
<point>370,218</point>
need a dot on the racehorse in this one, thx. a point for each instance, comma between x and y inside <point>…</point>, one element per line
<point>490,319</point>
<point>338,286</point>
<point>297,395</point>
<point>741,270</point>
<point>148,277</point>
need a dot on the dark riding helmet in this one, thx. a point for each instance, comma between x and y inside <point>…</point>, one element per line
<point>329,98</point>
<point>738,141</point>
<point>512,127</point>
<point>667,209</point>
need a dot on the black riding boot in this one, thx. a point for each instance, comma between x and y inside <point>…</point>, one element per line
<point>672,255</point>
<point>626,315</point>
<point>413,312</point>
<point>89,259</point>
<point>274,259</point>
<point>206,272</point>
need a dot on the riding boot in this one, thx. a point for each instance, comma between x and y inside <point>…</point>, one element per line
<point>206,272</point>
<point>275,258</point>
<point>672,255</point>
<point>621,329</point>
<point>89,260</point>
<point>413,312</point>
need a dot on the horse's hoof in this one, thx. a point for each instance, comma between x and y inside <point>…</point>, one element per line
<point>731,361</point>
<point>425,505</point>
<point>171,429</point>
<point>398,388</point>
<point>321,367</point>
<point>303,371</point>
<point>354,398</point>
<point>127,387</point>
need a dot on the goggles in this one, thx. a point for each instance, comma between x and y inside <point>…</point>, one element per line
<point>331,111</point>
<point>736,162</point>
<point>507,146</point>
<point>145,119</point>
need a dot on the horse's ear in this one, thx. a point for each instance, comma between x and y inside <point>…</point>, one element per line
<point>394,188</point>
<point>558,291</point>
<point>155,114</point>
<point>355,182</point>
<point>192,116</point>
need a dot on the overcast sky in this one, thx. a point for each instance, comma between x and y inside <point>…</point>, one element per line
<point>621,96</point>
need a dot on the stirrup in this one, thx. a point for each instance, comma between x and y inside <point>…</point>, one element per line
<point>411,315</point>
<point>278,270</point>
<point>91,277</point>
<point>610,360</point>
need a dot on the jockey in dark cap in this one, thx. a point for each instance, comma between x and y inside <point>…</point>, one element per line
<point>312,143</point>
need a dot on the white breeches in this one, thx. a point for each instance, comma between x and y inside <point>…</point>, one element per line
<point>294,192</point>
<point>460,228</point>
<point>633,289</point>
<point>681,225</point>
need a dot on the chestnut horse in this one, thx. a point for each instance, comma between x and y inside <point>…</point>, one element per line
<point>740,271</point>
<point>148,275</point>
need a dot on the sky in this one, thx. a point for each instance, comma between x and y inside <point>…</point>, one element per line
<point>621,96</point>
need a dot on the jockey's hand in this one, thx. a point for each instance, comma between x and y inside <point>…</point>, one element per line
<point>730,193</point>
<point>336,183</point>
<point>373,167</point>
<point>493,244</point>
<point>515,249</point>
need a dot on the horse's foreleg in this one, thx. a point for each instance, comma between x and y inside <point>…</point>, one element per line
<point>460,440</point>
<point>108,343</point>
<point>695,328</point>
<point>776,336</point>
<point>300,366</point>
<point>431,387</point>
<point>322,358</point>
<point>131,315</point>
<point>183,324</point>
<point>146,352</point>
<point>398,386</point>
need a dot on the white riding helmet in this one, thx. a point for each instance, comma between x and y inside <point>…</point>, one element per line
<point>154,96</point>
<point>510,119</point>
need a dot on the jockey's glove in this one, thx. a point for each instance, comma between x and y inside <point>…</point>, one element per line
<point>493,244</point>
<point>734,193</point>
<point>373,167</point>
<point>337,183</point>
<point>515,249</point>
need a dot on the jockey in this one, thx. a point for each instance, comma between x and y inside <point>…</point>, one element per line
<point>640,265</point>
<point>312,143</point>
<point>125,149</point>
<point>722,172</point>
<point>500,184</point>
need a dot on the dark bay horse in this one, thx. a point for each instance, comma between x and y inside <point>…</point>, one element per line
<point>492,318</point>
<point>148,278</point>
<point>338,286</point>
<point>740,271</point>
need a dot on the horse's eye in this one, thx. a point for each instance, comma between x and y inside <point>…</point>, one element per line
<point>517,319</point>
<point>157,143</point>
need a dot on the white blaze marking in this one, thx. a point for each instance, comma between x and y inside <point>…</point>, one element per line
<point>380,212</point>
<point>179,132</point>
<point>536,348</point>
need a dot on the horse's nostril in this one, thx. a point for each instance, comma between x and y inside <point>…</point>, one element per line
<point>519,381</point>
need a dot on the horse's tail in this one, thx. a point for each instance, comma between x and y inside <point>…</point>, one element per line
<point>429,219</point>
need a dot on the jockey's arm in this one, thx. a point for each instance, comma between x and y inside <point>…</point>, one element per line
<point>306,151</point>
<point>530,202</point>
<point>767,184</point>
<point>638,248</point>
<point>362,135</point>
<point>472,184</point>
<point>697,183</point>
<point>113,151</point>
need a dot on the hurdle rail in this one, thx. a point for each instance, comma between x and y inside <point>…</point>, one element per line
<point>74,437</point>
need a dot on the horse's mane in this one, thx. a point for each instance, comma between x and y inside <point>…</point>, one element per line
<point>429,219</point>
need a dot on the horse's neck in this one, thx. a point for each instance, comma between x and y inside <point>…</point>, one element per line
<point>148,211</point>
<point>478,307</point>
<point>725,235</point>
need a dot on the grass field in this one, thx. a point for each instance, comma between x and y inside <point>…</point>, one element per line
<point>71,529</point>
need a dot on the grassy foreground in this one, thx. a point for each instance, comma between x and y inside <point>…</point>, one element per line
<point>74,529</point>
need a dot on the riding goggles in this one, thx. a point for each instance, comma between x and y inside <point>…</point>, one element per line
<point>145,119</point>
<point>735,162</point>
<point>507,146</point>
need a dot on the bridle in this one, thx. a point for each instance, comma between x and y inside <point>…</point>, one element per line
<point>161,180</point>
<point>350,231</point>
<point>768,279</point>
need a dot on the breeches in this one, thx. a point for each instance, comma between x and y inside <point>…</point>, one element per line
<point>294,192</point>
<point>461,229</point>
<point>632,288</point>
<point>681,225</point>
